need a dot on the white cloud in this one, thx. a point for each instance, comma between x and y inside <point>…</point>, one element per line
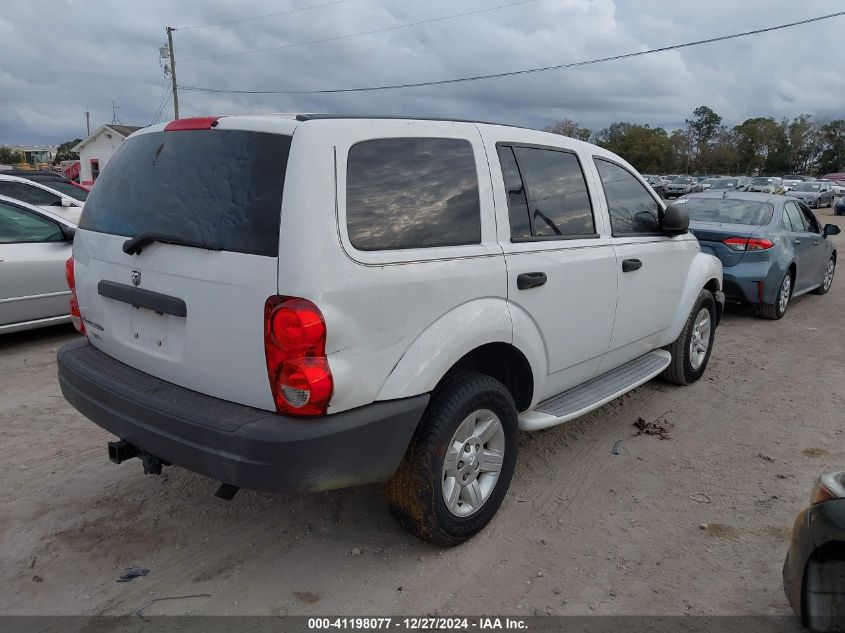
<point>88,53</point>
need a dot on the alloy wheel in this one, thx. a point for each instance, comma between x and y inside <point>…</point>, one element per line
<point>700,339</point>
<point>473,462</point>
<point>783,295</point>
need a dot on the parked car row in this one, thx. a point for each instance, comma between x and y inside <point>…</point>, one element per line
<point>816,192</point>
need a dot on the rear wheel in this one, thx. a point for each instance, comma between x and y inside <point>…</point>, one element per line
<point>827,280</point>
<point>777,309</point>
<point>691,350</point>
<point>460,462</point>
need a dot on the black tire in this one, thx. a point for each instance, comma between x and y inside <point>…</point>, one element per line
<point>821,290</point>
<point>773,311</point>
<point>680,370</point>
<point>824,595</point>
<point>414,493</point>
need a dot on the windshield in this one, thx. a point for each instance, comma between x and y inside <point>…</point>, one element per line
<point>69,190</point>
<point>724,183</point>
<point>807,186</point>
<point>217,187</point>
<point>729,211</point>
<point>762,181</point>
<point>680,180</point>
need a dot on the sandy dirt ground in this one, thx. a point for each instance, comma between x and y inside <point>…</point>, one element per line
<point>696,523</point>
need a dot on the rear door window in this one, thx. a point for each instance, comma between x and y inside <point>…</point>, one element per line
<point>795,217</point>
<point>633,210</point>
<point>549,185</point>
<point>217,187</point>
<point>520,221</point>
<point>412,193</point>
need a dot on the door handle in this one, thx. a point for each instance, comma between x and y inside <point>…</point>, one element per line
<point>524,281</point>
<point>815,242</point>
<point>631,264</point>
<point>797,241</point>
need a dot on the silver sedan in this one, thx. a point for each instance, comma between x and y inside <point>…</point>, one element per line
<point>34,246</point>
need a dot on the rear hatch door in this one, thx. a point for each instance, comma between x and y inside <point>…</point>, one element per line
<point>187,303</point>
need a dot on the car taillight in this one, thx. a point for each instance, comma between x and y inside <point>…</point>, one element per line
<point>829,486</point>
<point>748,244</point>
<point>295,350</point>
<point>75,314</point>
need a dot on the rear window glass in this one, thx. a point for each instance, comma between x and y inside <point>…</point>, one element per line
<point>728,211</point>
<point>222,188</point>
<point>412,193</point>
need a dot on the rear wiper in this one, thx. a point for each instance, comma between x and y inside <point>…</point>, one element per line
<point>135,245</point>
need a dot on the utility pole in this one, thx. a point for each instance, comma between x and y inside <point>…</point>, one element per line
<point>88,122</point>
<point>173,71</point>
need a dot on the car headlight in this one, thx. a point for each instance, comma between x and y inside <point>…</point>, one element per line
<point>828,486</point>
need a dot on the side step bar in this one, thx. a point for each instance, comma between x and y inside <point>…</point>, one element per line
<point>594,393</point>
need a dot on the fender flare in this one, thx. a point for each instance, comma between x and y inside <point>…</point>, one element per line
<point>702,269</point>
<point>444,342</point>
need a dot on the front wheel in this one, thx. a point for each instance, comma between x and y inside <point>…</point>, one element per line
<point>460,462</point>
<point>827,280</point>
<point>776,310</point>
<point>691,350</point>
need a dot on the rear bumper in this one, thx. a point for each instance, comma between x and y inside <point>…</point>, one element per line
<point>748,282</point>
<point>233,443</point>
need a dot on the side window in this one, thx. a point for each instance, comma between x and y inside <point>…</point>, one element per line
<point>18,225</point>
<point>412,193</point>
<point>787,223</point>
<point>810,220</point>
<point>632,208</point>
<point>795,217</point>
<point>556,193</point>
<point>517,202</point>
<point>28,193</point>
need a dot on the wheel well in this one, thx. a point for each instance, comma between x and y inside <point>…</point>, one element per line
<point>506,364</point>
<point>712,285</point>
<point>832,550</point>
<point>793,270</point>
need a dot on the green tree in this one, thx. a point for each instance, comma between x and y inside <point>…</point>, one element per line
<point>702,129</point>
<point>10,156</point>
<point>645,147</point>
<point>832,140</point>
<point>804,145</point>
<point>65,151</point>
<point>568,127</point>
<point>762,146</point>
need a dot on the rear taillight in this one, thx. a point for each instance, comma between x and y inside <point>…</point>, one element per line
<point>75,314</point>
<point>748,244</point>
<point>295,349</point>
<point>828,487</point>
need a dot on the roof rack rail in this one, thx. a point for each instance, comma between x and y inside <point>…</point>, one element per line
<point>324,116</point>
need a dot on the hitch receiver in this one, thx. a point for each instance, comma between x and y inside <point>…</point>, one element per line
<point>122,451</point>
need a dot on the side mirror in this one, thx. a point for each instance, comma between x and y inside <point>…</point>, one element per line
<point>69,232</point>
<point>67,202</point>
<point>831,229</point>
<point>675,220</point>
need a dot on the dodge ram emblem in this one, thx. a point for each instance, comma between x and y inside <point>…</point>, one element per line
<point>135,276</point>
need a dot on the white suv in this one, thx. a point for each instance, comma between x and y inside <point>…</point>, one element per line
<point>314,303</point>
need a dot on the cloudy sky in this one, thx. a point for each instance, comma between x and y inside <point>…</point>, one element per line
<point>59,58</point>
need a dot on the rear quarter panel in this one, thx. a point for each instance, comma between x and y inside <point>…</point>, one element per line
<point>396,320</point>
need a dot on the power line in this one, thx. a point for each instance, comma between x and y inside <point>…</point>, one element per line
<point>259,17</point>
<point>520,72</point>
<point>168,92</point>
<point>370,32</point>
